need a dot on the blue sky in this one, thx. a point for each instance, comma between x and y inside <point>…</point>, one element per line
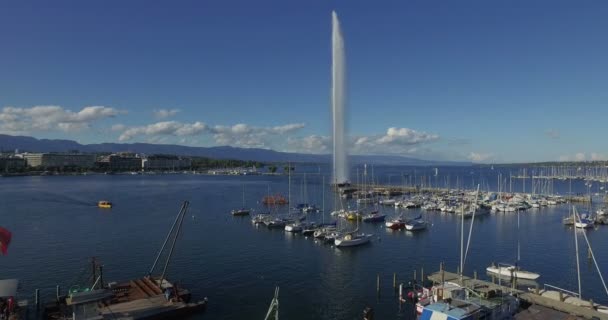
<point>486,81</point>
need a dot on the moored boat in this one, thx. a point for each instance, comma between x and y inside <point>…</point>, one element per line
<point>240,212</point>
<point>512,271</point>
<point>352,239</point>
<point>104,204</point>
<point>416,224</point>
<point>395,224</point>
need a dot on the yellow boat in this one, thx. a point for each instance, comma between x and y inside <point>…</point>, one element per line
<point>104,204</point>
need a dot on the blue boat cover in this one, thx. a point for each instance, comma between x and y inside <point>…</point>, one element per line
<point>442,311</point>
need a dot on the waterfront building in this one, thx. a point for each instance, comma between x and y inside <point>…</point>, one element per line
<point>11,163</point>
<point>59,160</point>
<point>165,162</point>
<point>120,162</point>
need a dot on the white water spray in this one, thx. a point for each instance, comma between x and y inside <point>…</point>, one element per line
<point>338,102</point>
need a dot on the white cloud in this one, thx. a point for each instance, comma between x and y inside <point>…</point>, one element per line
<point>242,135</point>
<point>396,141</point>
<point>173,128</point>
<point>598,157</point>
<point>165,113</point>
<point>480,157</point>
<point>581,156</point>
<point>310,144</point>
<point>48,118</point>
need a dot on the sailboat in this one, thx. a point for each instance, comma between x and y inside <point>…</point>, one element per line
<point>415,224</point>
<point>513,271</point>
<point>353,238</point>
<point>273,309</point>
<point>242,211</point>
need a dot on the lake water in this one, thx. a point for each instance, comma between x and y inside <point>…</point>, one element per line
<point>57,228</point>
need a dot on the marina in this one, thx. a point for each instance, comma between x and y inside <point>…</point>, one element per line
<point>303,265</point>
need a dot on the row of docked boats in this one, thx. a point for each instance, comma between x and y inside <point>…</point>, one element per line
<point>326,232</point>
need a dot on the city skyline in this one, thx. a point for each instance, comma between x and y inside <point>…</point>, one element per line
<point>476,81</point>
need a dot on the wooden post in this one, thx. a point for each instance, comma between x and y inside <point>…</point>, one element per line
<point>421,274</point>
<point>561,296</point>
<point>57,292</point>
<point>394,280</point>
<point>475,274</point>
<point>378,283</point>
<point>400,292</point>
<point>414,274</point>
<point>37,298</point>
<point>592,305</point>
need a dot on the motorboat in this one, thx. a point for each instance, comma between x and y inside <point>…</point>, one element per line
<point>240,212</point>
<point>294,227</point>
<point>374,217</point>
<point>512,271</point>
<point>415,224</point>
<point>395,224</point>
<point>104,204</point>
<point>387,202</point>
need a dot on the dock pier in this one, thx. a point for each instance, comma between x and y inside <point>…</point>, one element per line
<point>532,298</point>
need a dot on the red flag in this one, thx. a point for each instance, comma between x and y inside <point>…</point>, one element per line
<point>5,240</point>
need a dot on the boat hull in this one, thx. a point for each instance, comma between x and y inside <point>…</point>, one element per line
<point>509,271</point>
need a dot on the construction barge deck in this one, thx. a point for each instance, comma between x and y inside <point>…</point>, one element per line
<point>547,306</point>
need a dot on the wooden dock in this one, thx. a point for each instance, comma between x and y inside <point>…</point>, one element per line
<point>150,308</point>
<point>531,298</point>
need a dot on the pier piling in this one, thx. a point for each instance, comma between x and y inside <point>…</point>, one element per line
<point>400,292</point>
<point>421,274</point>
<point>37,298</point>
<point>394,280</point>
<point>475,274</point>
<point>378,284</point>
<point>415,275</point>
<point>57,292</point>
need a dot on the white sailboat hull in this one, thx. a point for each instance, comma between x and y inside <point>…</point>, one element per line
<point>508,271</point>
<point>353,241</point>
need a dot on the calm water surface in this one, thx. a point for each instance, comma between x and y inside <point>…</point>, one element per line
<point>57,228</point>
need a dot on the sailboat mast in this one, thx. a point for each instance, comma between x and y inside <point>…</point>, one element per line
<point>461,240</point>
<point>323,199</point>
<point>578,267</point>
<point>288,187</point>
<point>518,246</point>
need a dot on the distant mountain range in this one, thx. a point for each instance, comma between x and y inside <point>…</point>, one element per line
<point>10,143</point>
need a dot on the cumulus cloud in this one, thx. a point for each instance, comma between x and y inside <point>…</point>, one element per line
<point>244,135</point>
<point>241,134</point>
<point>480,157</point>
<point>48,118</point>
<point>396,140</point>
<point>173,128</point>
<point>580,156</point>
<point>310,144</point>
<point>552,133</point>
<point>165,113</point>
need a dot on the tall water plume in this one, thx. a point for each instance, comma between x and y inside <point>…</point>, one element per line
<point>340,167</point>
